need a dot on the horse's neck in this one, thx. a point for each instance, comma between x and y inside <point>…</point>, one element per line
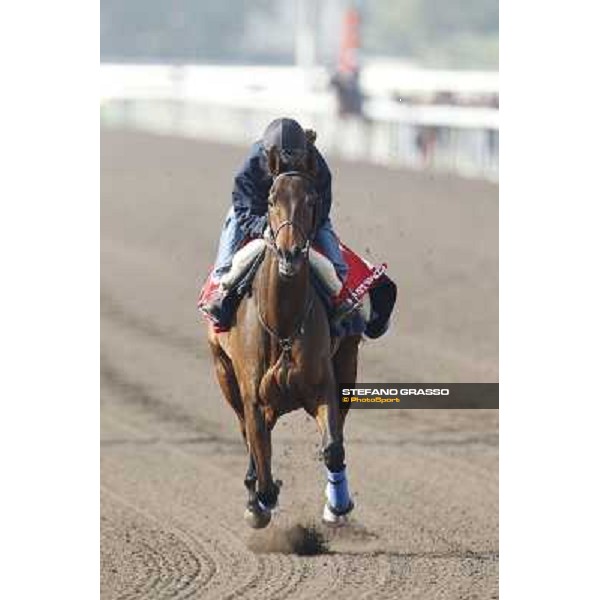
<point>283,301</point>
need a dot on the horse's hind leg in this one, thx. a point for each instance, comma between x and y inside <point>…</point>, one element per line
<point>345,365</point>
<point>330,421</point>
<point>331,418</point>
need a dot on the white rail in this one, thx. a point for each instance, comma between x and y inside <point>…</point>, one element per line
<point>233,104</point>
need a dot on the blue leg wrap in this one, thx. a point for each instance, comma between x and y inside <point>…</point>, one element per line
<point>338,494</point>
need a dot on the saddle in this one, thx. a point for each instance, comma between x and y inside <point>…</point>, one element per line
<point>363,279</point>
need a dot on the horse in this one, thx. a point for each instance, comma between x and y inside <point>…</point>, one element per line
<point>279,355</point>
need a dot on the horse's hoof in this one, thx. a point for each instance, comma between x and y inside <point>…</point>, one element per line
<point>257,519</point>
<point>333,520</point>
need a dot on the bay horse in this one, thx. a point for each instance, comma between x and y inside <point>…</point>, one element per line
<point>279,355</point>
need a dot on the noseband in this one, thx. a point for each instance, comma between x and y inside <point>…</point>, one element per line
<point>271,241</point>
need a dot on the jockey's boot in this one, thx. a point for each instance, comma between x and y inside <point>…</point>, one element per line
<point>213,306</point>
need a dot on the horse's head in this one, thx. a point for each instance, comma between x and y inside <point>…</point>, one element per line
<point>293,215</point>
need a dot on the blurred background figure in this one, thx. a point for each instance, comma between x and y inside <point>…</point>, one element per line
<point>346,80</point>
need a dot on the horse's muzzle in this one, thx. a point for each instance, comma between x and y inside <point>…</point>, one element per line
<point>290,261</point>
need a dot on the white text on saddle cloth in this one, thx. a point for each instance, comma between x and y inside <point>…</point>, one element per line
<point>361,274</point>
<point>366,284</point>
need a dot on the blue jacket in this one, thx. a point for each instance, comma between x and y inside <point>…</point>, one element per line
<point>251,191</point>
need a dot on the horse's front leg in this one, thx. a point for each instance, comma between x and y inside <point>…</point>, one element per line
<point>264,500</point>
<point>330,421</point>
<point>250,482</point>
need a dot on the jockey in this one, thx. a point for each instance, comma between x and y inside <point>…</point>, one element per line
<point>247,218</point>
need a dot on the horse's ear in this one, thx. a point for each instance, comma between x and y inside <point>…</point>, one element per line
<point>273,161</point>
<point>311,136</point>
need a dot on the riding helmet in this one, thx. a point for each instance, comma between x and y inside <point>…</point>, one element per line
<point>288,137</point>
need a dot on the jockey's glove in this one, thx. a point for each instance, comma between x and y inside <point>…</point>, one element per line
<point>344,309</point>
<point>258,226</point>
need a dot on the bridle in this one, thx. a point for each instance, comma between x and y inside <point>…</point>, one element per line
<point>272,235</point>
<point>285,343</point>
<point>272,238</point>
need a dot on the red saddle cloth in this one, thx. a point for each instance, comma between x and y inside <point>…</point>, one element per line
<point>362,276</point>
<point>209,289</point>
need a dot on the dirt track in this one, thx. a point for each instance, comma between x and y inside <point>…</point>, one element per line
<point>425,482</point>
